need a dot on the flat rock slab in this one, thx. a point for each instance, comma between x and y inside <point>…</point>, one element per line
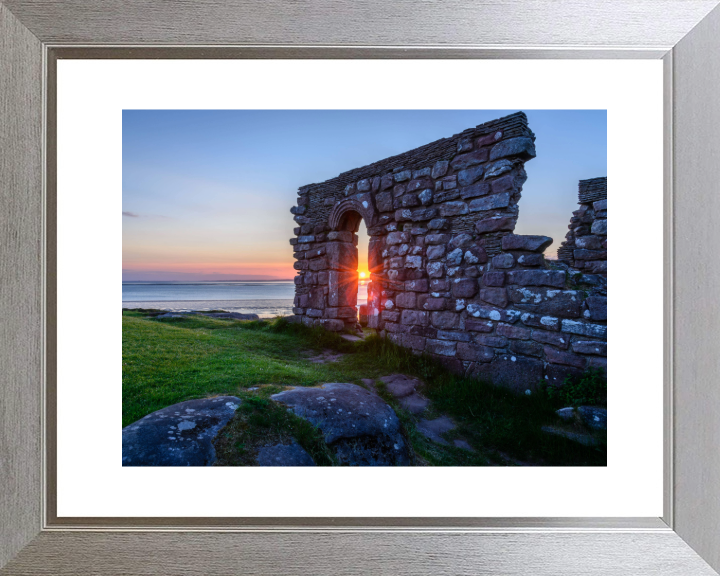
<point>400,385</point>
<point>231,315</point>
<point>415,403</point>
<point>351,338</point>
<point>433,429</point>
<point>179,435</point>
<point>327,356</point>
<point>284,455</point>
<point>357,425</point>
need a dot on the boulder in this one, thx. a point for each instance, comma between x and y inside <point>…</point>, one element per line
<point>284,455</point>
<point>179,435</point>
<point>593,417</point>
<point>360,428</point>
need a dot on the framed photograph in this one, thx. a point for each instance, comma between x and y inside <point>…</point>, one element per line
<point>95,99</point>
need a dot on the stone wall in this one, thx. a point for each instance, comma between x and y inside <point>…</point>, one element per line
<point>448,277</point>
<point>585,245</point>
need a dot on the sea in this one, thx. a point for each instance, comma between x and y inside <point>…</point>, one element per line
<point>266,299</point>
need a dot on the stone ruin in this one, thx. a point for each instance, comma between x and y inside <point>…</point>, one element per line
<point>448,277</point>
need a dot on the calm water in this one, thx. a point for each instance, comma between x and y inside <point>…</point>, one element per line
<point>264,298</point>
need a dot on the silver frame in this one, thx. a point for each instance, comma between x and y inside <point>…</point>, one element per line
<point>33,540</point>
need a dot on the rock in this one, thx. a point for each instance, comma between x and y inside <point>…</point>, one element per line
<point>514,372</point>
<point>599,227</point>
<point>579,437</point>
<point>179,435</point>
<point>463,444</point>
<point>593,417</point>
<point>498,168</point>
<point>597,307</point>
<point>590,347</point>
<point>566,414</point>
<point>521,146</point>
<point>490,202</point>
<point>495,224</point>
<point>554,278</point>
<point>400,385</point>
<point>583,329</point>
<point>440,169</point>
<point>415,403</point>
<point>433,429</point>
<point>284,455</point>
<point>469,175</point>
<point>357,425</point>
<point>232,315</point>
<point>526,242</point>
<point>463,161</point>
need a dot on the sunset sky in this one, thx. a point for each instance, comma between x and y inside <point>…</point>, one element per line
<point>207,194</point>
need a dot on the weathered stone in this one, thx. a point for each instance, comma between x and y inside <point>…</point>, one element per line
<point>515,332</point>
<point>406,300</point>
<point>517,373</point>
<point>435,269</point>
<point>284,455</point>
<point>413,262</point>
<point>455,257</point>
<point>495,224</point>
<point>463,161</point>
<point>475,190</point>
<point>306,239</point>
<point>559,374</point>
<point>433,304</point>
<point>479,311</point>
<point>386,181</point>
<point>475,255</point>
<point>415,403</point>
<point>440,347</point>
<point>434,429</point>
<point>527,243</point>
<point>538,321</point>
<point>590,254</point>
<point>492,341</point>
<point>342,256</point>
<point>489,202</point>
<point>400,385</point>
<point>470,175</point>
<point>446,196</point>
<point>403,176</point>
<point>426,197</point>
<point>473,353</point>
<point>494,278</point>
<point>178,435</point>
<point>521,146</point>
<point>526,348</point>
<point>440,169</point>
<point>445,320</point>
<point>435,252</point>
<point>495,296</point>
<point>590,242</point>
<point>414,318</point>
<point>593,417</point>
<point>422,214</point>
<point>559,340</point>
<point>560,303</point>
<point>590,347</point>
<point>437,224</point>
<point>419,285</point>
<point>360,427</point>
<point>567,358</point>
<point>419,184</point>
<point>454,336</point>
<point>597,308</point>
<point>555,278</point>
<point>599,227</point>
<point>384,201</point>
<point>503,184</point>
<point>584,329</point>
<point>475,326</point>
<point>498,168</point>
<point>434,239</point>
<point>503,261</point>
<point>453,209</point>
<point>531,259</point>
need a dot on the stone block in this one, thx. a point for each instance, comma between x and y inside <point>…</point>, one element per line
<point>475,190</point>
<point>453,209</point>
<point>470,175</point>
<point>390,315</point>
<point>495,224</point>
<point>313,313</point>
<point>446,196</point>
<point>318,264</point>
<point>434,304</point>
<point>543,322</point>
<point>514,332</point>
<point>560,303</point>
<point>558,374</point>
<point>364,185</point>
<point>474,353</point>
<point>386,181</point>
<point>584,329</point>
<point>600,205</point>
<point>440,169</point>
<point>406,300</point>
<point>454,336</point>
<point>342,256</point>
<point>342,288</point>
<point>340,236</point>
<point>306,239</point>
<point>426,197</point>
<point>526,348</point>
<point>597,363</point>
<point>440,347</point>
<point>494,278</point>
<point>590,347</point>
<point>475,255</point>
<point>490,202</point>
<point>417,285</point>
<point>554,278</point>
<point>479,326</point>
<point>464,288</point>
<point>399,190</point>
<point>422,214</point>
<point>596,308</point>
<point>521,147</point>
<point>462,161</point>
<point>437,224</point>
<point>465,145</point>
<point>517,373</point>
<point>559,340</point>
<point>439,285</point>
<point>435,252</point>
<point>503,184</point>
<point>526,243</point>
<point>555,356</point>
<point>403,176</point>
<point>436,239</point>
<point>419,184</point>
<point>590,254</point>
<point>384,202</point>
<point>398,238</point>
<point>435,269</point>
<point>445,320</point>
<point>413,262</point>
<point>489,138</point>
<point>496,296</point>
<point>414,317</point>
<point>409,201</point>
<point>491,340</point>
<point>498,168</point>
<point>479,311</point>
<point>395,328</point>
<point>503,261</point>
<point>590,242</point>
<point>531,260</point>
<point>599,227</point>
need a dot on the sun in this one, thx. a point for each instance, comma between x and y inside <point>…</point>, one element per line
<point>362,274</point>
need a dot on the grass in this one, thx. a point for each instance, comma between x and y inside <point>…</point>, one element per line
<point>170,360</point>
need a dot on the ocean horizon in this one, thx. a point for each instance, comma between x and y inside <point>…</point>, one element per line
<point>266,298</point>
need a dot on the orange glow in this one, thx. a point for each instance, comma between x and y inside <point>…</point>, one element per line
<point>362,274</point>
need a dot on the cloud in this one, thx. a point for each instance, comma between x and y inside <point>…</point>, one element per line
<point>131,214</point>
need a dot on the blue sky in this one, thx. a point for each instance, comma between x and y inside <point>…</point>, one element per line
<point>206,194</point>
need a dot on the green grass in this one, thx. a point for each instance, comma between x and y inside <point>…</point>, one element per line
<point>166,361</point>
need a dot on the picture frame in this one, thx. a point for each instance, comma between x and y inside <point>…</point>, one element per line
<point>685,34</point>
